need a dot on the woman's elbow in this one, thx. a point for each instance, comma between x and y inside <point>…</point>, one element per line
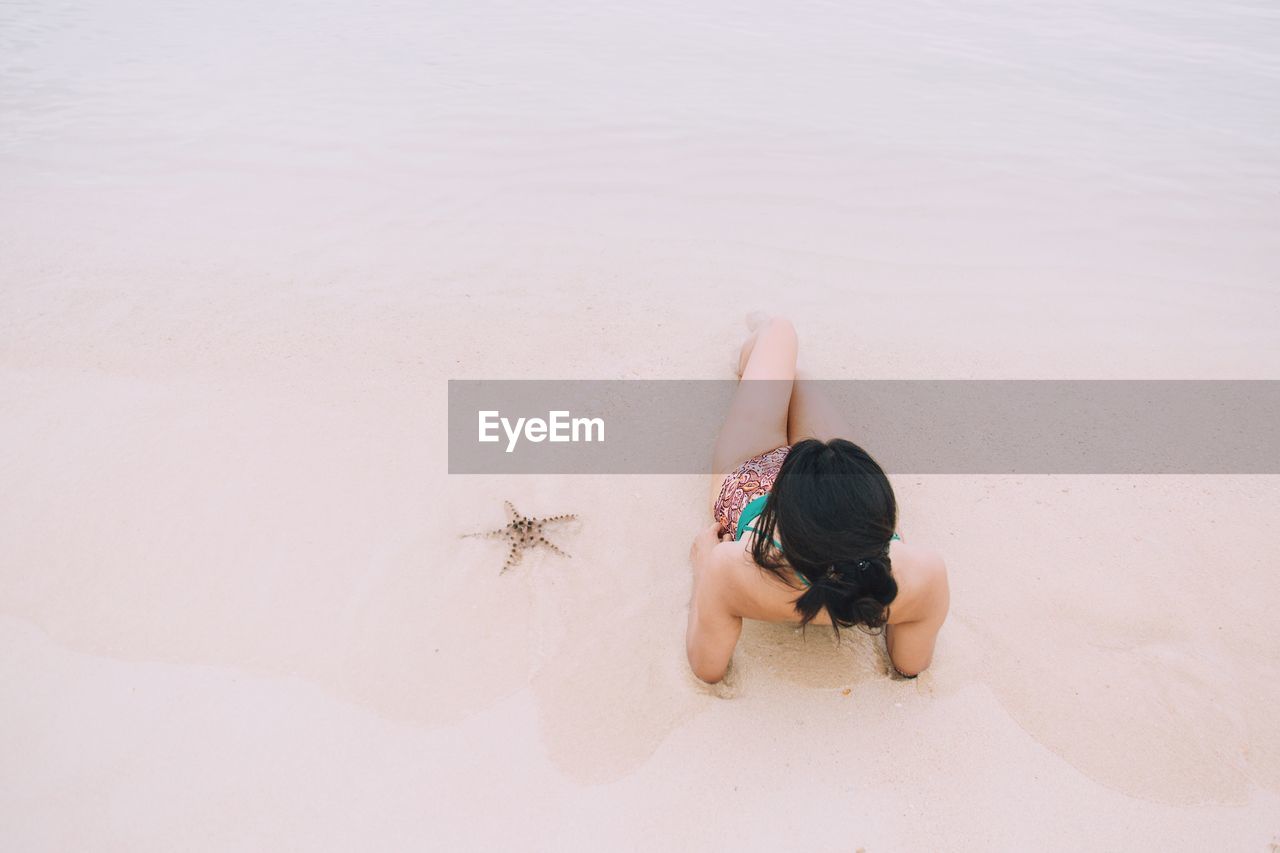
<point>710,676</point>
<point>706,671</point>
<point>909,671</point>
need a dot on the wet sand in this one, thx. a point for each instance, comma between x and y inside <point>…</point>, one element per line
<point>235,610</point>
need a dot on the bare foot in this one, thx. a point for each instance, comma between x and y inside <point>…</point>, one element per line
<point>755,320</point>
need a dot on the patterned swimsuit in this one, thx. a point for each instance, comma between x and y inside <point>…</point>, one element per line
<point>743,484</point>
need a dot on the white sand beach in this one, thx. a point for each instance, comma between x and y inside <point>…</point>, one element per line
<point>245,247</point>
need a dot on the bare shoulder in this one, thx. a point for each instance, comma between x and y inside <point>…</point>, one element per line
<point>751,591</point>
<point>921,573</point>
<point>725,575</point>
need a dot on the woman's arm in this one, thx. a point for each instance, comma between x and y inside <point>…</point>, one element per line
<point>713,628</point>
<point>910,643</point>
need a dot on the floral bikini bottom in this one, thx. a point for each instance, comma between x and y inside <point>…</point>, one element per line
<point>749,482</point>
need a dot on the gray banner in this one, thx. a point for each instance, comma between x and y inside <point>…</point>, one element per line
<point>909,426</point>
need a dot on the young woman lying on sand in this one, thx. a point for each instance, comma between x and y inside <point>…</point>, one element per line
<point>802,510</point>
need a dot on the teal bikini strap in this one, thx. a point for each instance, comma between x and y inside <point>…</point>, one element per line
<point>750,513</point>
<point>775,542</point>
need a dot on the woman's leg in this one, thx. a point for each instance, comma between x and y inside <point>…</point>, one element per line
<point>757,419</point>
<point>813,416</point>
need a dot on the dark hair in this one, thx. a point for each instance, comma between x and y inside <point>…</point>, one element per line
<point>833,511</point>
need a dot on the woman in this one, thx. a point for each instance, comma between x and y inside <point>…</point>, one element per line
<point>805,526</point>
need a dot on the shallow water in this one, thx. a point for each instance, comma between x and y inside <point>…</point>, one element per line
<point>1132,137</point>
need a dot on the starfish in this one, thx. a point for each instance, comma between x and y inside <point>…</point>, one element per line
<point>523,532</point>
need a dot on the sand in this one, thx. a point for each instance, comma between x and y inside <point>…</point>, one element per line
<point>235,610</point>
